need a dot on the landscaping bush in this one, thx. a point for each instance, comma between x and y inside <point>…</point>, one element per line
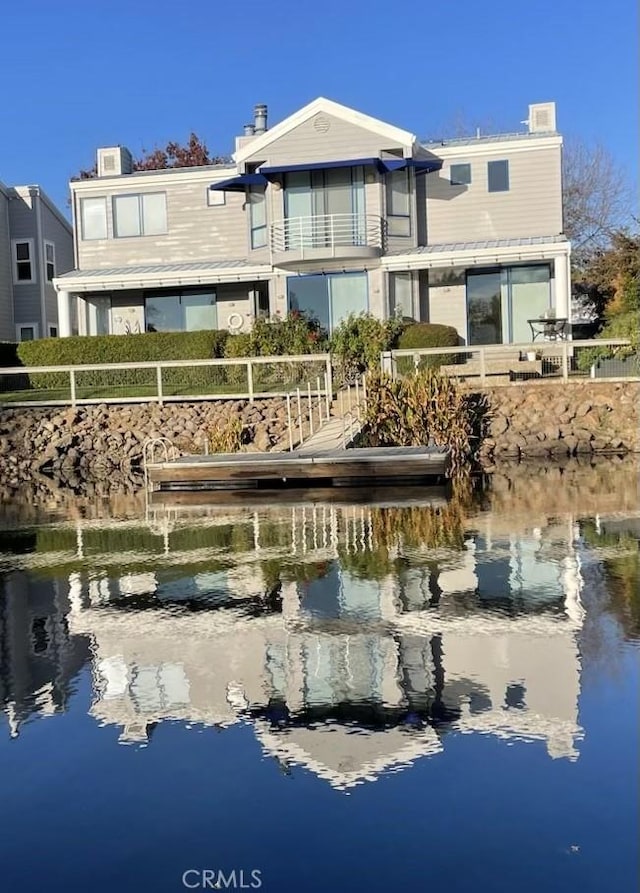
<point>426,334</point>
<point>148,347</point>
<point>621,325</point>
<point>296,334</point>
<point>358,341</point>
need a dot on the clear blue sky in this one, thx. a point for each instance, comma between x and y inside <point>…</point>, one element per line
<point>78,74</point>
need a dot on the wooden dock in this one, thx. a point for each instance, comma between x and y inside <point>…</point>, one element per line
<point>326,468</point>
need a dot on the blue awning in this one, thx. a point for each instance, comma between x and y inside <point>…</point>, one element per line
<point>239,184</point>
<point>316,166</point>
<point>419,165</point>
<point>384,165</point>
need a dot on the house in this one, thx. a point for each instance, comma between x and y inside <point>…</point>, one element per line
<point>330,212</point>
<point>36,245</point>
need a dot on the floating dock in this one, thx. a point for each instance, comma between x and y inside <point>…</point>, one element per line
<point>369,466</point>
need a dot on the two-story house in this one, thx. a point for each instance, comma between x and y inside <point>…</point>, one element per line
<point>330,212</point>
<point>36,245</point>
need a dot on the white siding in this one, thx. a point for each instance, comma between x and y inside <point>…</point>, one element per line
<point>531,207</point>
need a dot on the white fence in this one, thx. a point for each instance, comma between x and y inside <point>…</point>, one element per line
<point>169,380</point>
<point>612,359</point>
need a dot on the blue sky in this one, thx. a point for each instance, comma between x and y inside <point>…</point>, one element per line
<point>77,75</point>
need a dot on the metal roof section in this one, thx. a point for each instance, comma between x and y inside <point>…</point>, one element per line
<point>159,275</point>
<point>490,251</point>
<point>485,244</point>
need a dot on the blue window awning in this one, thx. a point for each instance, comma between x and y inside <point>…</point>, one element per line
<point>316,166</point>
<point>239,184</point>
<point>419,165</point>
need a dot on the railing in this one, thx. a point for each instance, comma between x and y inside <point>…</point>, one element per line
<point>326,231</point>
<point>352,407</point>
<point>247,378</point>
<point>305,415</point>
<point>613,359</point>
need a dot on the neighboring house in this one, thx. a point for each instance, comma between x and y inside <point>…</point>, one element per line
<point>329,212</point>
<point>36,245</point>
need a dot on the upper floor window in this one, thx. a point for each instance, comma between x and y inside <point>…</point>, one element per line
<point>140,215</point>
<point>460,174</point>
<point>23,262</point>
<point>50,260</point>
<point>498,176</point>
<point>258,217</point>
<point>398,203</point>
<point>93,218</point>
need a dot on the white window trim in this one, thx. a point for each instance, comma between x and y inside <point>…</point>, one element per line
<point>32,261</point>
<point>83,235</point>
<point>25,325</point>
<point>140,196</point>
<point>53,248</point>
<point>215,198</point>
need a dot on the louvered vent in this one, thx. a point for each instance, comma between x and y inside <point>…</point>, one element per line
<point>114,161</point>
<point>542,117</point>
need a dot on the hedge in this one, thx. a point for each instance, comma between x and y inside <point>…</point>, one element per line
<point>426,334</point>
<point>149,347</point>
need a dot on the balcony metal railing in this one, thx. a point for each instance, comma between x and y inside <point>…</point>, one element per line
<point>326,231</point>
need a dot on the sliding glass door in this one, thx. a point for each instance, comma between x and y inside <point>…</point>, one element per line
<point>500,303</point>
<point>328,298</point>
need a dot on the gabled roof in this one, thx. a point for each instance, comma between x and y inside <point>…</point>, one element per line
<point>329,107</point>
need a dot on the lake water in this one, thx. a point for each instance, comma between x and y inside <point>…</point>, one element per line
<point>419,691</point>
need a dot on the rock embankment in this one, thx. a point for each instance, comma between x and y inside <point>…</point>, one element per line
<point>105,442</point>
<point>552,420</point>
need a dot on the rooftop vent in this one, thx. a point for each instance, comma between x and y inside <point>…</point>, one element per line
<point>260,118</point>
<point>114,161</point>
<point>542,117</point>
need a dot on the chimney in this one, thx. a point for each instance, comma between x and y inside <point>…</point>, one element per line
<point>260,118</point>
<point>249,129</point>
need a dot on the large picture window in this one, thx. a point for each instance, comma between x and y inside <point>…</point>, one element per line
<point>183,311</point>
<point>140,215</point>
<point>258,214</point>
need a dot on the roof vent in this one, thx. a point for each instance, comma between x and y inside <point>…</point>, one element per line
<point>542,117</point>
<point>260,118</point>
<point>114,161</point>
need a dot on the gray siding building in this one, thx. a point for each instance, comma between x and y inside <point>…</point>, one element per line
<point>36,245</point>
<point>330,212</point>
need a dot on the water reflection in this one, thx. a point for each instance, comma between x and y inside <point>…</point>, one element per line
<point>352,639</point>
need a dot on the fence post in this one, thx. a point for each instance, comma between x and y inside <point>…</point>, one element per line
<point>327,397</point>
<point>330,376</point>
<point>250,380</point>
<point>300,414</point>
<point>565,360</point>
<point>72,387</point>
<point>289,423</point>
<point>357,399</point>
<point>310,404</point>
<point>159,383</point>
<point>483,366</point>
<point>319,396</point>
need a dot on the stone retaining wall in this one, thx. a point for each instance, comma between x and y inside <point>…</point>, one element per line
<point>553,419</point>
<point>104,443</point>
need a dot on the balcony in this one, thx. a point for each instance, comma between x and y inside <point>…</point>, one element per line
<point>324,236</point>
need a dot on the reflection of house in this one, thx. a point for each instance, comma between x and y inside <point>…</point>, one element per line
<point>350,676</point>
<point>38,657</point>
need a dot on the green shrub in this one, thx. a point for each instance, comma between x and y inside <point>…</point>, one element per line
<point>296,334</point>
<point>424,334</point>
<point>148,347</point>
<point>622,325</point>
<point>358,341</point>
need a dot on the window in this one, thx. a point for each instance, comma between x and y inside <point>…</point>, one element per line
<point>498,176</point>
<point>215,197</point>
<point>186,311</point>
<point>93,216</point>
<point>140,215</point>
<point>460,174</point>
<point>400,295</point>
<point>40,635</point>
<point>27,331</point>
<point>50,260</point>
<point>398,203</point>
<point>258,217</point>
<point>53,331</point>
<point>23,266</point>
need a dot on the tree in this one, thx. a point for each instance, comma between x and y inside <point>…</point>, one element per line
<point>596,200</point>
<point>194,153</point>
